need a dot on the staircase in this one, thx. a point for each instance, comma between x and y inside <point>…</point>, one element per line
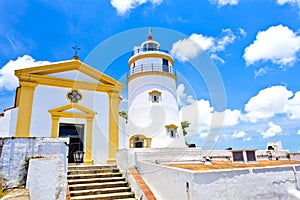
<point>87,182</point>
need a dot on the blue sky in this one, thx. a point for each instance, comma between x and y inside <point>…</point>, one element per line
<point>254,45</point>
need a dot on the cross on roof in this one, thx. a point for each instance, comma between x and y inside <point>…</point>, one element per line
<point>76,49</point>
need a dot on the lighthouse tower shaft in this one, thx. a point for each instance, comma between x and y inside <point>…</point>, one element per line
<point>153,114</point>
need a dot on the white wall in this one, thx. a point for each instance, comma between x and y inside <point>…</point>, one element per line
<point>8,123</point>
<point>74,75</point>
<point>123,135</point>
<point>258,183</point>
<point>47,98</point>
<point>41,172</point>
<point>295,156</point>
<point>99,103</point>
<point>148,118</point>
<point>128,157</point>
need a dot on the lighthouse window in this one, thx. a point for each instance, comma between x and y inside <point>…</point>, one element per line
<point>150,46</point>
<point>155,96</point>
<point>165,65</point>
<point>172,130</point>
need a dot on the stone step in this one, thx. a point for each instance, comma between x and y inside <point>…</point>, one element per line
<point>98,185</point>
<point>127,199</point>
<point>87,167</point>
<point>119,195</point>
<point>100,175</point>
<point>100,191</point>
<point>93,171</point>
<point>94,180</point>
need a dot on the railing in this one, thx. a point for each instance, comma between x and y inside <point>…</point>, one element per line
<point>152,67</point>
<point>139,50</point>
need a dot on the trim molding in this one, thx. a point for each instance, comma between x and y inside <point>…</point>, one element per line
<point>87,114</point>
<point>68,66</point>
<point>68,83</point>
<point>150,55</point>
<point>114,101</point>
<point>153,73</point>
<point>26,93</point>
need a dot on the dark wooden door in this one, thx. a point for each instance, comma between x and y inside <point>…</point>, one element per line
<point>76,134</point>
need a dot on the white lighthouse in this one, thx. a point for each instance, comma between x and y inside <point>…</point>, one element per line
<point>153,114</point>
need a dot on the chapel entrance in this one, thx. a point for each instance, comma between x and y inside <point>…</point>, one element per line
<point>76,134</point>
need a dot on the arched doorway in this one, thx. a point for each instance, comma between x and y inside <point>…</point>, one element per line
<point>139,141</point>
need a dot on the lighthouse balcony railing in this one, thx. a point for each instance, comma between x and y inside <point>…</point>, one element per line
<point>139,50</point>
<point>151,68</point>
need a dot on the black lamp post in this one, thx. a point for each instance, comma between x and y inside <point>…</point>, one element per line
<point>78,156</point>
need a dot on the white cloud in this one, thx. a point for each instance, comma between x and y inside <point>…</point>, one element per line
<point>267,103</point>
<point>8,81</point>
<point>298,132</point>
<point>199,114</point>
<point>247,139</point>
<point>216,57</point>
<point>203,117</point>
<point>293,106</point>
<point>277,44</point>
<point>261,71</point>
<point>124,6</point>
<point>204,135</point>
<point>232,117</point>
<point>221,3</point>
<point>271,101</point>
<point>240,134</point>
<point>183,99</point>
<point>282,2</point>
<point>272,131</point>
<point>243,32</point>
<point>191,47</point>
<point>204,42</point>
<point>227,38</point>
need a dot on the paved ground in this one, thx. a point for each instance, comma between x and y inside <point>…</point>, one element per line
<point>219,165</point>
<point>17,194</point>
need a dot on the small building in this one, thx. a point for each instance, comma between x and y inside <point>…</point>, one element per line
<point>274,146</point>
<point>244,156</point>
<point>67,99</point>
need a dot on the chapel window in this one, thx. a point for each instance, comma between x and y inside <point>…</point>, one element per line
<point>74,96</point>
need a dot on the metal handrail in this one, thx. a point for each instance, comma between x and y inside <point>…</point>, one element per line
<point>152,67</point>
<point>148,49</point>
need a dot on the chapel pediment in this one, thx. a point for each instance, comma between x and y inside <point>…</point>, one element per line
<point>72,110</point>
<point>71,73</point>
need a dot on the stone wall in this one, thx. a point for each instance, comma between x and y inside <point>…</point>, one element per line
<point>17,151</point>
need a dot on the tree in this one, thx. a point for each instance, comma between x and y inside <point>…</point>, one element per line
<point>123,114</point>
<point>184,125</point>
